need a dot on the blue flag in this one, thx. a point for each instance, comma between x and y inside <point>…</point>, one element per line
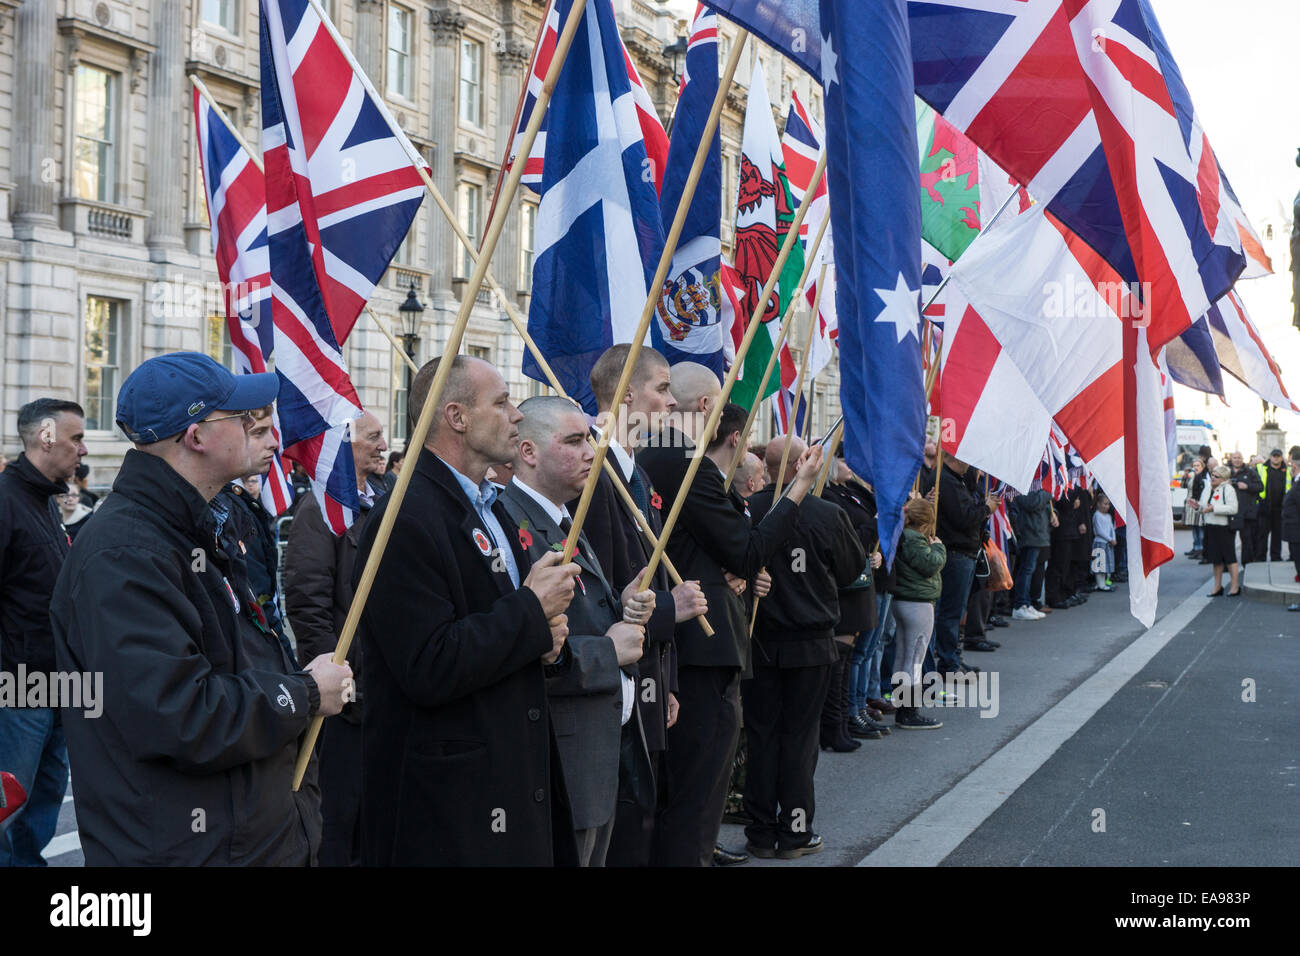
<point>690,322</point>
<point>790,26</point>
<point>872,171</point>
<point>599,237</point>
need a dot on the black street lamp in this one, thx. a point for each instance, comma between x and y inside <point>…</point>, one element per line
<point>676,53</point>
<point>411,310</point>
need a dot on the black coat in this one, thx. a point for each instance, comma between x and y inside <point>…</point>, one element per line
<point>623,551</point>
<point>456,734</point>
<point>33,547</point>
<point>962,512</point>
<point>712,536</point>
<point>1291,516</point>
<point>858,604</point>
<point>250,539</point>
<point>1248,498</point>
<point>821,555</point>
<point>318,588</point>
<point>203,707</point>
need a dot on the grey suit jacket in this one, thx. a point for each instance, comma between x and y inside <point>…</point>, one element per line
<point>586,698</point>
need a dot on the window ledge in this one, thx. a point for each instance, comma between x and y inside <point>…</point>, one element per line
<point>89,217</point>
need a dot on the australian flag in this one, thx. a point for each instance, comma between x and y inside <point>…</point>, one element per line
<point>599,235</point>
<point>690,322</point>
<point>872,168</point>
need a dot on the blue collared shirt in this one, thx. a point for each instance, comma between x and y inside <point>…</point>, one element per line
<point>481,497</point>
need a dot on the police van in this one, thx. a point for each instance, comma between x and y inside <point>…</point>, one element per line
<point>1193,434</point>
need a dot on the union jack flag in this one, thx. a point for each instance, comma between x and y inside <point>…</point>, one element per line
<point>1081,101</point>
<point>652,130</point>
<point>235,190</point>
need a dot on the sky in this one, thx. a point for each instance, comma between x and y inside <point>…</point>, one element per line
<point>1240,64</point>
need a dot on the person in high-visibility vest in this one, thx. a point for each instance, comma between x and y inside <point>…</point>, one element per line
<point>1276,479</point>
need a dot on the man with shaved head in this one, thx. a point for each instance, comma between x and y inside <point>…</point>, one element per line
<point>318,594</point>
<point>751,477</point>
<point>712,538</point>
<point>459,627</point>
<point>593,698</point>
<point>794,655</point>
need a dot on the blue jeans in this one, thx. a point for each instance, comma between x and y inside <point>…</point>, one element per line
<point>864,653</point>
<point>1024,575</point>
<point>956,577</point>
<point>882,668</point>
<point>33,750</point>
<point>1198,537</point>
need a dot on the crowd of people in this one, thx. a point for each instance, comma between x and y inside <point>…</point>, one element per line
<point>498,705</point>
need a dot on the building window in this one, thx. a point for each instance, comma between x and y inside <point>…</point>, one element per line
<point>401,389</point>
<point>479,352</point>
<point>527,237</point>
<point>221,12</point>
<point>403,255</point>
<point>218,341</point>
<point>399,52</point>
<point>102,361</point>
<point>470,209</point>
<point>471,82</point>
<point>94,162</point>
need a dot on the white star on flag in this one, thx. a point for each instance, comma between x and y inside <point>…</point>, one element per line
<point>829,61</point>
<point>901,308</point>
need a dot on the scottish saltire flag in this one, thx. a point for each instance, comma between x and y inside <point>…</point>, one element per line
<point>652,130</point>
<point>1082,102</point>
<point>599,234</point>
<point>765,210</point>
<point>690,314</point>
<point>317,402</point>
<point>873,172</point>
<point>235,191</point>
<point>354,164</point>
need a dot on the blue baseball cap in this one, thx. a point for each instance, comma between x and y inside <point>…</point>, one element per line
<point>168,393</point>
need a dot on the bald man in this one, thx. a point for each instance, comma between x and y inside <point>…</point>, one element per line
<point>712,538</point>
<point>751,476</point>
<point>794,655</point>
<point>459,755</point>
<point>318,593</point>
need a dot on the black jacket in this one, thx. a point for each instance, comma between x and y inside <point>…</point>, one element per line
<point>1291,516</point>
<point>712,536</point>
<point>623,551</point>
<point>456,733</point>
<point>33,547</point>
<point>962,513</point>
<point>860,505</point>
<point>203,707</point>
<point>821,554</point>
<point>248,536</point>
<point>318,589</point>
<point>1248,498</point>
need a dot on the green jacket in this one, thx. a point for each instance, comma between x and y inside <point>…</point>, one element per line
<point>917,567</point>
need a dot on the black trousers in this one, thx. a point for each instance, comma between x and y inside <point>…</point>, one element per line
<point>697,767</point>
<point>1268,538</point>
<point>782,722</point>
<point>632,842</point>
<point>1081,570</point>
<point>340,793</point>
<point>978,610</point>
<point>1040,573</point>
<point>1249,533</point>
<point>1060,579</point>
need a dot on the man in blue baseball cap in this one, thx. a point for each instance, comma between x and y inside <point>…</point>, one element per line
<point>191,761</point>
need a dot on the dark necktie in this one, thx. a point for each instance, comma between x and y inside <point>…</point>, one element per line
<point>639,494</point>
<point>566,528</point>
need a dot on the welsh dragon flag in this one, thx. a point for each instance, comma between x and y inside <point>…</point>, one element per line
<point>765,208</point>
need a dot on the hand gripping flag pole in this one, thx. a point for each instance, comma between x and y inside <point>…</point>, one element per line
<point>454,337</point>
<point>775,357</point>
<point>652,302</point>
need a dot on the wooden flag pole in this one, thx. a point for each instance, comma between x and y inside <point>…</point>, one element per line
<point>711,425</point>
<point>832,442</point>
<point>652,301</point>
<point>776,351</point>
<point>790,434</point>
<point>454,337</point>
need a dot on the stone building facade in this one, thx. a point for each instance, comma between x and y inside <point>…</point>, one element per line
<point>105,255</point>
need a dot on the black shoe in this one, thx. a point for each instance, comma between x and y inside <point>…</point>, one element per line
<point>724,857</point>
<point>1236,593</point>
<point>860,726</point>
<point>1074,600</point>
<point>1203,561</point>
<point>1218,593</point>
<point>978,646</point>
<point>814,845</point>
<point>751,849</point>
<point>994,643</point>
<point>1190,554</point>
<point>844,746</point>
<point>914,720</point>
<point>999,621</point>
<point>1059,605</point>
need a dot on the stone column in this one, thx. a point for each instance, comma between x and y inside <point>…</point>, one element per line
<point>368,45</point>
<point>447,27</point>
<point>512,64</point>
<point>33,113</point>
<point>164,195</point>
